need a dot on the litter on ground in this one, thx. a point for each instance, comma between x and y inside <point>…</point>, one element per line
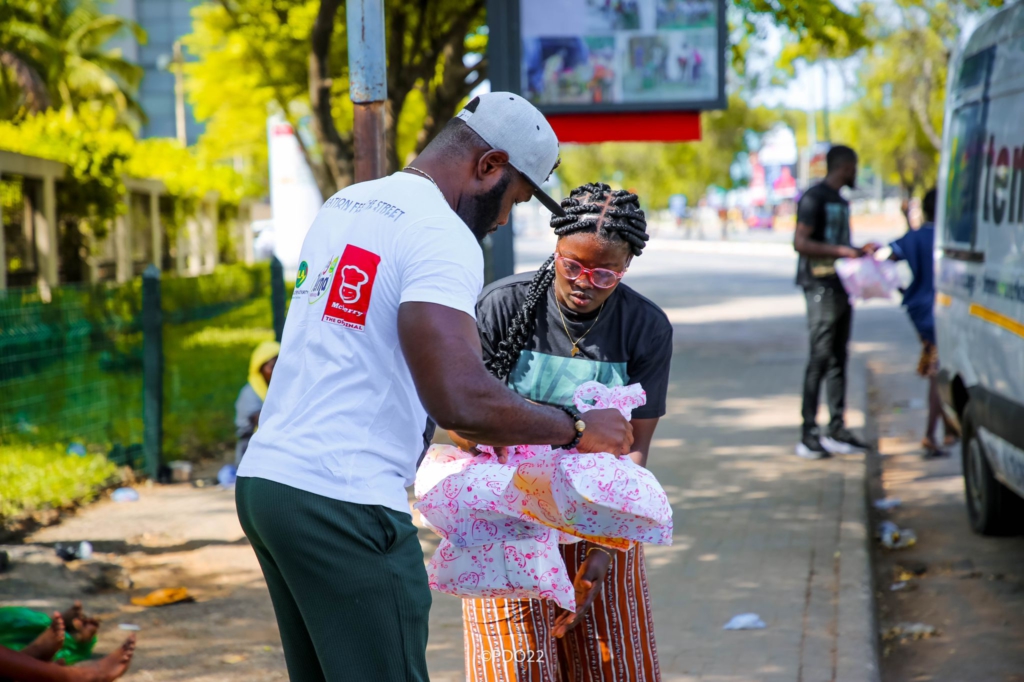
<point>910,631</point>
<point>745,621</point>
<point>894,537</point>
<point>164,597</point>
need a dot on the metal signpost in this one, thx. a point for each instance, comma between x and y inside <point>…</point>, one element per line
<point>368,85</point>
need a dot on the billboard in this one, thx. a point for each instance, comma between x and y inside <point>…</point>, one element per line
<point>604,56</point>
<point>294,196</point>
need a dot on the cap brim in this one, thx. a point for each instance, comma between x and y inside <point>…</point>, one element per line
<point>545,199</point>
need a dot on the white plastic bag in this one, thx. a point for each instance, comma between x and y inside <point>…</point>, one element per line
<point>865,278</point>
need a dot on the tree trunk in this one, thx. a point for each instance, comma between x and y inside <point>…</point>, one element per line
<point>29,82</point>
<point>337,152</point>
<point>919,104</point>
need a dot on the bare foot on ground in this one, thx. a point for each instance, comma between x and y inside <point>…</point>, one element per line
<point>48,643</point>
<point>80,625</point>
<point>84,629</point>
<point>75,612</point>
<point>107,669</point>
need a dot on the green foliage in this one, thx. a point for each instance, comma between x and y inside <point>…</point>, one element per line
<point>99,154</point>
<point>896,121</point>
<point>655,171</point>
<point>253,58</point>
<point>33,479</point>
<point>55,53</point>
<point>72,369</point>
<point>94,150</point>
<point>207,364</point>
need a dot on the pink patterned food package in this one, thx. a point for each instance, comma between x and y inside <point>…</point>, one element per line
<point>596,496</point>
<point>866,278</point>
<point>473,505</point>
<point>501,523</point>
<point>524,569</point>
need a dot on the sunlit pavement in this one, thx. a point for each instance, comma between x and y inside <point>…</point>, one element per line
<point>756,528</point>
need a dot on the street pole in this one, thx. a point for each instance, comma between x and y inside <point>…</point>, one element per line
<point>368,85</point>
<point>152,372</point>
<point>179,95</point>
<point>500,253</point>
<point>277,297</point>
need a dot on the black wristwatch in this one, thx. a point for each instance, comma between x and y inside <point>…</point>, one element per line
<point>578,424</point>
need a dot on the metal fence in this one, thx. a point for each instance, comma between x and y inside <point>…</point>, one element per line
<point>71,370</point>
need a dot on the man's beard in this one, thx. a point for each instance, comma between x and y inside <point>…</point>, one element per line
<point>480,212</point>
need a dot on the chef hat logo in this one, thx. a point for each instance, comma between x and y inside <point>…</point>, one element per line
<point>352,281</point>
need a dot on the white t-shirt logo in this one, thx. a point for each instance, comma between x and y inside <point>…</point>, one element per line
<point>352,281</point>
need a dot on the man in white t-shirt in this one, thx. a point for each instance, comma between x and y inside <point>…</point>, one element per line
<point>380,334</point>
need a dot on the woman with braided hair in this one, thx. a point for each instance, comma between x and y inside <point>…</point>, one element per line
<point>545,334</point>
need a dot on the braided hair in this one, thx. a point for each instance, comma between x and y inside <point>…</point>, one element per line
<point>614,215</point>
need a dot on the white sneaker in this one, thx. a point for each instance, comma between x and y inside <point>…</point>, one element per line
<point>811,448</point>
<point>837,447</point>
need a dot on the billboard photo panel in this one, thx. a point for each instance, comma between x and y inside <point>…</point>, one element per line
<point>602,56</point>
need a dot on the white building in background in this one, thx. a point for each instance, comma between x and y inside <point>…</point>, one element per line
<point>294,196</point>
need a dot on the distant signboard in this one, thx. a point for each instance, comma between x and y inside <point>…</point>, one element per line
<point>612,69</point>
<point>621,55</point>
<point>294,196</point>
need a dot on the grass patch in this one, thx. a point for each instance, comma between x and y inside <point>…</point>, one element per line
<point>39,478</point>
<point>206,364</point>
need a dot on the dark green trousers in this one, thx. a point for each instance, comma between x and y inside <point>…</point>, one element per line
<point>347,581</point>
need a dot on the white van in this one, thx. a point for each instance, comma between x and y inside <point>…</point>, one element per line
<point>979,274</point>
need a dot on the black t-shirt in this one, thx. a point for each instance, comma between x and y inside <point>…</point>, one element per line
<point>824,209</point>
<point>631,343</point>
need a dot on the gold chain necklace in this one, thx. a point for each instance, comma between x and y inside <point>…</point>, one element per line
<point>576,343</point>
<point>426,175</point>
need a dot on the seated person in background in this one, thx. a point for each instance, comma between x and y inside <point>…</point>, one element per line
<point>35,663</point>
<point>916,248</point>
<point>27,630</point>
<point>251,397</point>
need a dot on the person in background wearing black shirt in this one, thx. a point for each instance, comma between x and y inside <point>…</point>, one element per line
<point>822,236</point>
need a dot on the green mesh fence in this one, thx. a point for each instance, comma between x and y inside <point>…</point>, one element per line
<point>212,324</point>
<point>71,369</point>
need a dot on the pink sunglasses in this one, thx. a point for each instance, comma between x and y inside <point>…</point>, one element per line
<point>599,277</point>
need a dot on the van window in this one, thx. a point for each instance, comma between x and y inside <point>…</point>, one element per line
<point>975,69</point>
<point>965,162</point>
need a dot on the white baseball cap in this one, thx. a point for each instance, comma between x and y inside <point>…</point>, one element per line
<point>509,123</point>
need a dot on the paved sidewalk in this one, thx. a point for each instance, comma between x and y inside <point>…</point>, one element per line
<point>756,528</point>
<point>972,587</point>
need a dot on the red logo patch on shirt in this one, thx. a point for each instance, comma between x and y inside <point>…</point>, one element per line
<point>352,288</point>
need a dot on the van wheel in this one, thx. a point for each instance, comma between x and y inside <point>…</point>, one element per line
<point>992,508</point>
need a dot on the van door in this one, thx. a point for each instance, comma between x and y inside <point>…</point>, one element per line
<point>997,307</point>
<point>961,244</point>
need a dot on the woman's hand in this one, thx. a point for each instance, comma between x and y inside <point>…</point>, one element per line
<point>463,444</point>
<point>588,583</point>
<point>469,446</point>
<point>636,457</point>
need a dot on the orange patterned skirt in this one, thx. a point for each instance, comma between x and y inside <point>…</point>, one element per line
<point>510,640</point>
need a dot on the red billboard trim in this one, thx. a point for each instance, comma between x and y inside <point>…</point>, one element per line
<point>646,126</point>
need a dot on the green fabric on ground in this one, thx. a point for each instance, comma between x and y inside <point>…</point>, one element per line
<point>19,626</point>
<point>347,581</point>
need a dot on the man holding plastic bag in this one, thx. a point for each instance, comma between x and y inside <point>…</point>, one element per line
<point>822,236</point>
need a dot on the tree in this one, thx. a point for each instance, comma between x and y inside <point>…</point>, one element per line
<point>896,121</point>
<point>293,54</point>
<point>655,171</point>
<point>55,53</point>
